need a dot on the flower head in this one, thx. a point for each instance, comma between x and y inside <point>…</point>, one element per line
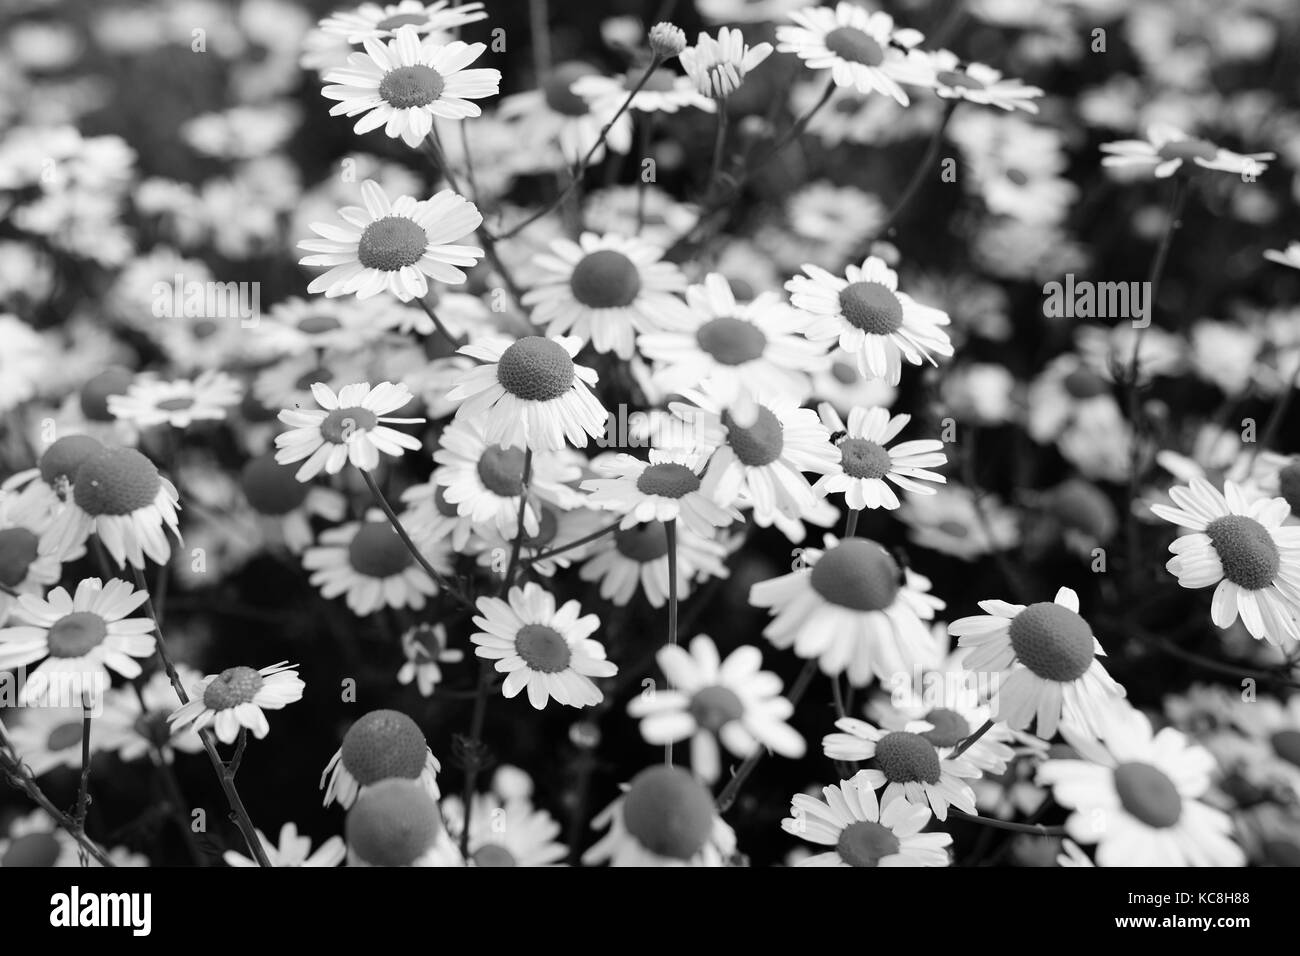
<point>719,66</point>
<point>866,460</point>
<point>1166,150</point>
<point>382,745</point>
<point>236,699</point>
<point>349,427</point>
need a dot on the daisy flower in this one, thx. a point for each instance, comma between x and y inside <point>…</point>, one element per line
<point>951,522</point>
<point>293,850</point>
<point>284,505</point>
<point>530,393</point>
<point>639,555</point>
<point>665,817</point>
<point>27,563</point>
<point>731,345</point>
<point>867,460</point>
<point>118,495</point>
<point>719,66</point>
<point>664,92</point>
<point>47,738</point>
<point>77,636</point>
<point>981,84</point>
<point>430,518</point>
<point>556,124</point>
<point>373,21</point>
<point>484,481</point>
<point>871,318</point>
<point>425,647</point>
<point>1166,149</point>
<point>606,289</point>
<point>236,699</point>
<point>908,764</point>
<point>760,463</point>
<point>506,832</point>
<point>349,427</point>
<point>397,823</point>
<point>547,651</point>
<point>299,327</point>
<point>382,745</point>
<point>133,732</point>
<point>861,48</point>
<point>397,245</point>
<point>1137,796</point>
<point>1290,256</point>
<point>850,607</point>
<point>850,819</point>
<point>711,700</point>
<point>1243,549</point>
<point>402,85</point>
<point>367,562</point>
<point>665,488</point>
<point>1046,658</point>
<point>178,403</point>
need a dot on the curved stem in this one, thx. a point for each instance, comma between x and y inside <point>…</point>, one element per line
<point>429,569</point>
<point>585,539</point>
<point>970,741</point>
<point>437,323</point>
<point>1037,829</point>
<point>919,174</point>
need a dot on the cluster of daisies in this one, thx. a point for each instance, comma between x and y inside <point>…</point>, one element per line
<point>749,411</point>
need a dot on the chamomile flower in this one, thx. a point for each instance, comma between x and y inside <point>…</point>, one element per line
<point>425,648</point>
<point>665,817</point>
<point>606,289</point>
<point>908,764</point>
<point>298,326</point>
<point>977,83</point>
<point>1242,548</point>
<point>719,66</point>
<point>665,488</point>
<point>1137,795</point>
<point>382,745</point>
<point>396,245</point>
<point>84,634</point>
<point>862,48</point>
<point>557,126</point>
<point>547,650</point>
<point>760,463</point>
<point>867,460</point>
<point>27,563</point>
<point>850,819</point>
<point>349,427</point>
<point>731,345</point>
<point>373,21</point>
<point>368,563</point>
<point>119,495</point>
<point>530,393</point>
<point>237,698</point>
<point>284,505</point>
<point>1046,658</point>
<point>871,318</point>
<point>712,701</point>
<point>484,481</point>
<point>664,92</point>
<point>179,403</point>
<point>1166,149</point>
<point>293,850</point>
<point>638,555</point>
<point>430,518</point>
<point>402,85</point>
<point>46,738</point>
<point>555,528</point>
<point>849,607</point>
<point>133,731</point>
<point>506,832</point>
<point>397,823</point>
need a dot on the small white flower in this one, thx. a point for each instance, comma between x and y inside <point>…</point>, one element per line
<point>236,699</point>
<point>719,66</point>
<point>350,427</point>
<point>1166,149</point>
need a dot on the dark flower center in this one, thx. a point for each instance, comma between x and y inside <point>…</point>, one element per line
<point>605,279</point>
<point>117,481</point>
<point>1288,485</point>
<point>1188,149</point>
<point>1085,383</point>
<point>1286,744</point>
<point>872,307</point>
<point>758,444</point>
<point>536,369</point>
<point>1052,641</point>
<point>1148,794</point>
<point>669,812</point>
<point>950,727</point>
<point>318,324</point>
<point>76,634</point>
<point>176,404</point>
<point>1246,550</point>
<point>391,243</point>
<point>716,706</point>
<point>384,744</point>
<point>95,393</point>
<point>557,93</point>
<point>377,552</point>
<point>502,471</point>
<point>543,648</point>
<point>731,341</point>
<point>64,736</point>
<point>342,423</point>
<point>18,548</point>
<point>667,480</point>
<point>864,459</point>
<point>852,44</point>
<point>393,823</point>
<point>232,687</point>
<point>271,487</point>
<point>958,80</point>
<point>402,20</point>
<point>30,850</point>
<point>493,854</point>
<point>863,843</point>
<point>644,543</point>
<point>857,574</point>
<point>410,86</point>
<point>64,458</point>
<point>907,758</point>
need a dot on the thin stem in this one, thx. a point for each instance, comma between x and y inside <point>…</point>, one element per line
<point>719,143</point>
<point>240,746</point>
<point>923,169</point>
<point>970,741</point>
<point>655,63</point>
<point>837,696</point>
<point>443,582</point>
<point>437,322</point>
<point>1037,829</point>
<point>237,808</point>
<point>851,523</point>
<point>732,790</point>
<point>670,530</point>
<point>176,800</point>
<point>83,789</point>
<point>585,539</point>
<point>20,775</point>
